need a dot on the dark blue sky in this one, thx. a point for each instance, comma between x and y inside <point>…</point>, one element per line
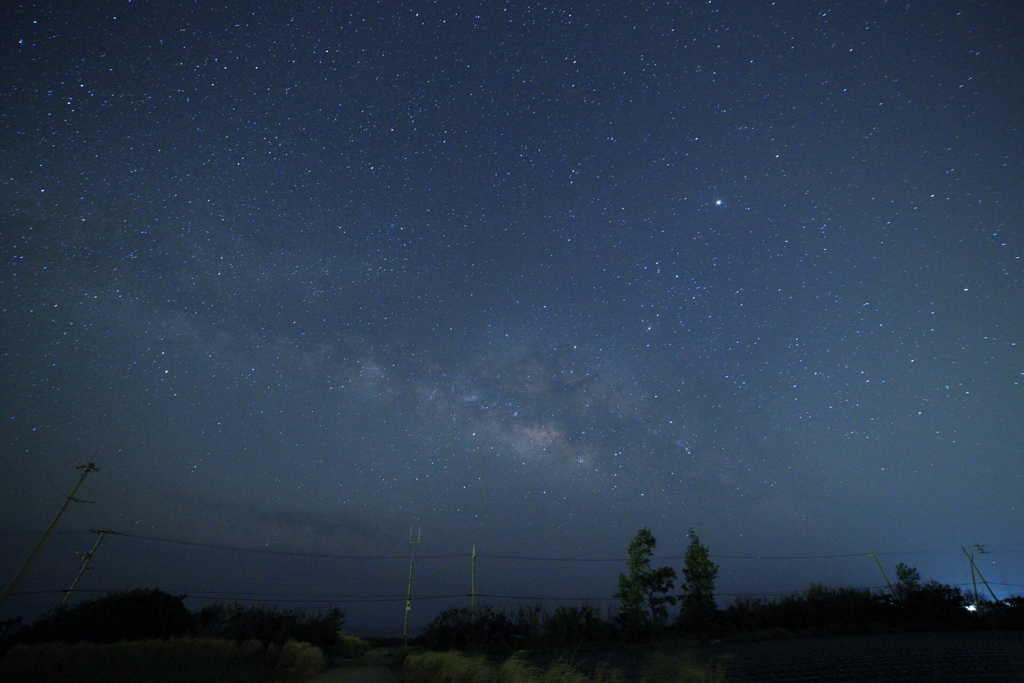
<point>529,276</point>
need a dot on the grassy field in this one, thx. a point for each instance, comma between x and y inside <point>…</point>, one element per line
<point>454,667</point>
<point>196,660</point>
<point>876,658</point>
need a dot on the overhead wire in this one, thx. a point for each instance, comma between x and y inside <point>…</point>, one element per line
<point>528,558</point>
<point>493,556</point>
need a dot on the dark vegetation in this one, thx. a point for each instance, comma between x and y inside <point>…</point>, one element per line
<point>819,611</point>
<point>145,613</point>
<point>645,594</point>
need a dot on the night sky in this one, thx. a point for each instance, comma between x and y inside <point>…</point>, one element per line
<point>527,276</point>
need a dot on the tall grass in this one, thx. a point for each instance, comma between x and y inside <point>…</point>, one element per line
<point>351,647</point>
<point>301,658</point>
<point>665,667</point>
<point>199,660</point>
<point>453,667</point>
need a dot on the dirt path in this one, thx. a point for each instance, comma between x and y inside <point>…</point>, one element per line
<point>355,674</point>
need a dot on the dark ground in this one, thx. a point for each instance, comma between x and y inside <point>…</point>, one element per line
<point>942,657</point>
<point>884,658</point>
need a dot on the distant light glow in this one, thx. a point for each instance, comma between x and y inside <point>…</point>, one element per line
<point>479,289</point>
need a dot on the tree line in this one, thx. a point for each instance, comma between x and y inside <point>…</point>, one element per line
<point>150,613</point>
<point>645,593</point>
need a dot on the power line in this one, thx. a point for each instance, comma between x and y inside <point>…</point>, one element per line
<point>86,470</point>
<point>264,597</point>
<point>528,558</point>
<point>289,553</point>
<point>352,599</point>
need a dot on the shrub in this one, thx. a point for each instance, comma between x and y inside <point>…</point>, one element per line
<point>350,647</point>
<point>458,629</point>
<point>934,605</point>
<point>137,614</point>
<point>575,625</point>
<point>198,660</point>
<point>678,668</point>
<point>748,614</point>
<point>453,667</point>
<point>449,667</point>
<point>820,610</point>
<point>271,625</point>
<point>301,658</point>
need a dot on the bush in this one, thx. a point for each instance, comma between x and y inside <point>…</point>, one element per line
<point>843,610</point>
<point>934,605</point>
<point>198,660</point>
<point>574,625</point>
<point>458,629</point>
<point>820,610</point>
<point>452,667</point>
<point>350,647</point>
<point>238,623</point>
<point>747,614</point>
<point>137,614</point>
<point>301,658</point>
<point>1006,614</point>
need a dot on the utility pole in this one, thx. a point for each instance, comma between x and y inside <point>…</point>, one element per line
<point>86,469</point>
<point>472,589</point>
<point>975,571</point>
<point>408,593</point>
<point>875,556</point>
<point>87,557</point>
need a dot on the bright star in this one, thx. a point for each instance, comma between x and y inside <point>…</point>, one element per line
<point>718,202</point>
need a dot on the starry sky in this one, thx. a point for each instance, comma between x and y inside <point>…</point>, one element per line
<point>525,276</point>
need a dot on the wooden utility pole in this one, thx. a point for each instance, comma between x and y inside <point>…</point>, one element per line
<point>87,557</point>
<point>408,593</point>
<point>472,589</point>
<point>977,572</point>
<point>86,469</point>
<point>875,556</point>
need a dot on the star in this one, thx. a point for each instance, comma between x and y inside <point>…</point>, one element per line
<point>306,285</point>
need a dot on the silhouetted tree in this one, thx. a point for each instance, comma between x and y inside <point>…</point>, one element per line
<point>574,625</point>
<point>698,610</point>
<point>908,581</point>
<point>123,615</point>
<point>459,629</point>
<point>643,592</point>
<point>271,625</point>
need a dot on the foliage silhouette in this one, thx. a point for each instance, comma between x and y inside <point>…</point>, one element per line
<point>459,629</point>
<point>934,605</point>
<point>137,614</point>
<point>570,626</point>
<point>147,614</point>
<point>698,612</point>
<point>820,610</point>
<point>643,591</point>
<point>271,625</point>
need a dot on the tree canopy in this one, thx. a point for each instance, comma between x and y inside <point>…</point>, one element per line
<point>698,588</point>
<point>643,592</point>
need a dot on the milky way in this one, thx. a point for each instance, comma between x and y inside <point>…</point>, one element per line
<point>527,277</point>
